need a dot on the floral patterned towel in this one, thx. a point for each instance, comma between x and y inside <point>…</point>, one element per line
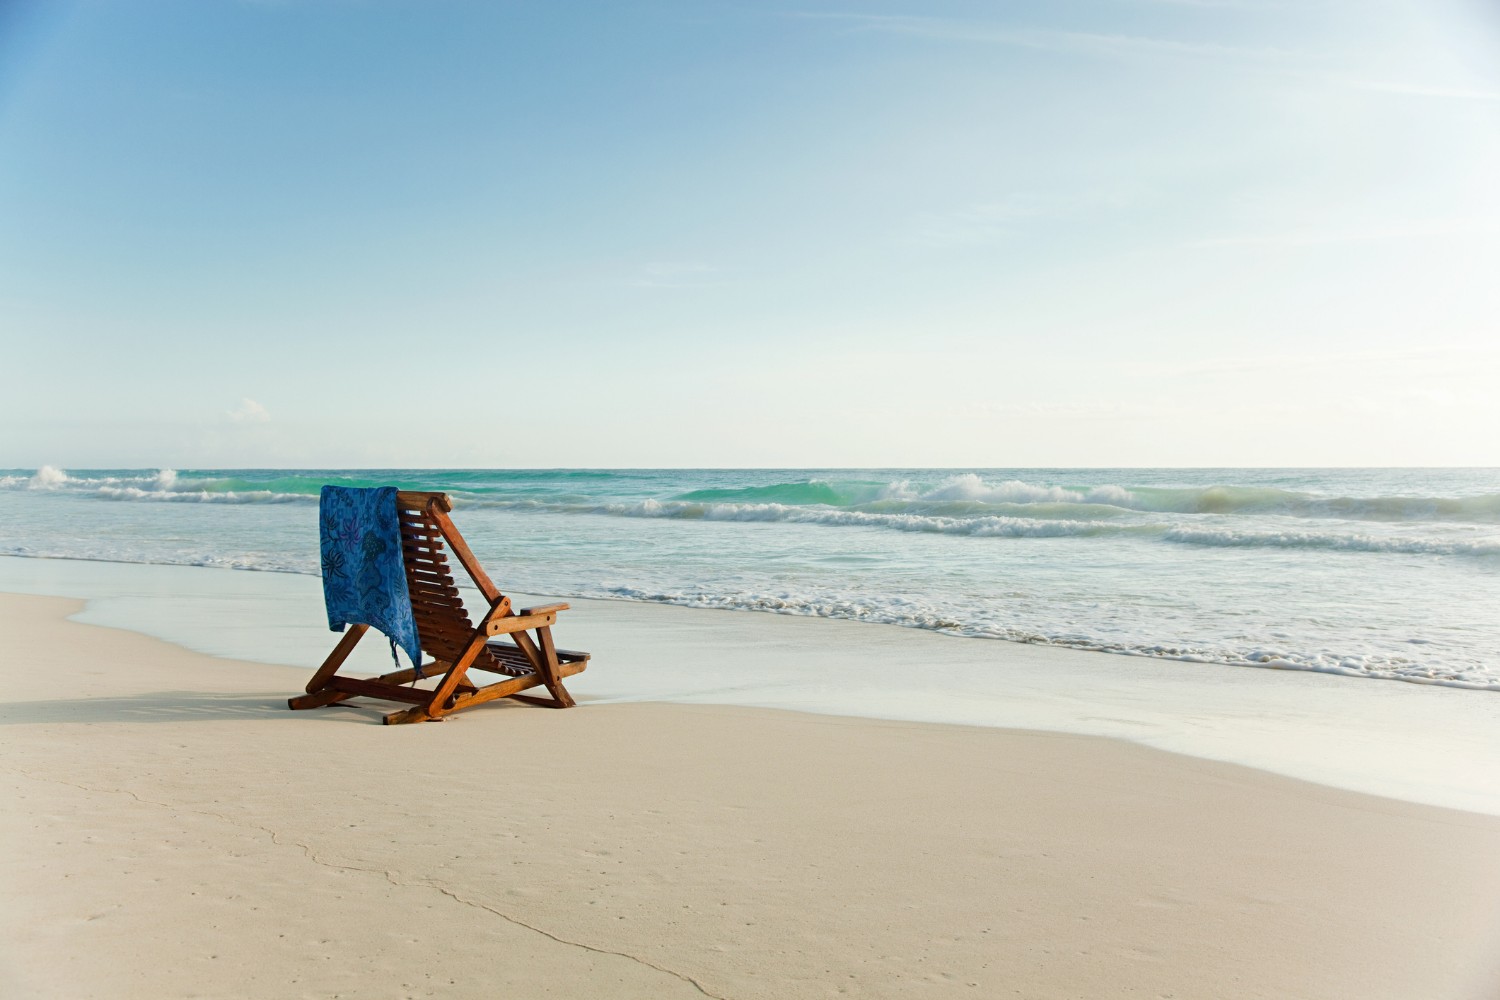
<point>364,580</point>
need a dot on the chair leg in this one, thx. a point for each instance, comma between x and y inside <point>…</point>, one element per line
<point>543,660</point>
<point>417,713</point>
<point>454,680</point>
<point>330,667</point>
<point>550,673</point>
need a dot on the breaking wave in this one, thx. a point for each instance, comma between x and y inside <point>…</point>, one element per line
<point>1230,538</point>
<point>966,494</point>
<point>914,614</point>
<point>965,504</point>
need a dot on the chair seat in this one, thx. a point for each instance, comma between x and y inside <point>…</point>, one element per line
<point>511,661</point>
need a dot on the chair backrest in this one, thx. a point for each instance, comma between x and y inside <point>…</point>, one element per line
<point>442,621</point>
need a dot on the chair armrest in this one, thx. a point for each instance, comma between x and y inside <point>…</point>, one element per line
<point>519,623</point>
<point>545,609</point>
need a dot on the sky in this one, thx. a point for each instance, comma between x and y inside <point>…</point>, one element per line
<point>435,233</point>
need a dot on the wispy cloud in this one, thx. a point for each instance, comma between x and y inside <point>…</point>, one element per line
<point>1461,357</point>
<point>1422,90</point>
<point>249,412</point>
<point>1220,4</point>
<point>1419,229</point>
<point>1050,39</point>
<point>1315,67</point>
<point>1003,218</point>
<point>1069,410</point>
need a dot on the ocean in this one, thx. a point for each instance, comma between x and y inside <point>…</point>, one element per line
<point>1389,574</point>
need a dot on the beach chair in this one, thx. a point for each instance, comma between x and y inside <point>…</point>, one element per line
<point>516,645</point>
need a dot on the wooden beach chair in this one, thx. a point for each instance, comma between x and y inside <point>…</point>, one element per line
<point>457,645</point>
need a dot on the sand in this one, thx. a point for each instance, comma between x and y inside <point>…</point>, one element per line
<point>173,831</point>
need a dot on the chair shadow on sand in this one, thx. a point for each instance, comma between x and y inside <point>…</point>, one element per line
<point>170,706</point>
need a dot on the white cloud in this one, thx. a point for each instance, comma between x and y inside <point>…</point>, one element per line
<point>1420,229</point>
<point>1424,90</point>
<point>1454,358</point>
<point>1048,39</point>
<point>249,412</point>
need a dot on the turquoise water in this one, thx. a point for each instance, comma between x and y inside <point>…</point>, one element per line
<point>1376,573</point>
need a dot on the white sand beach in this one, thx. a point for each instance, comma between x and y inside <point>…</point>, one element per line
<point>174,831</point>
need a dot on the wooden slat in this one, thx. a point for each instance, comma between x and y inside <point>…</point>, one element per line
<point>419,499</point>
<point>500,689</point>
<point>434,625</point>
<point>442,609</point>
<point>443,614</point>
<point>513,662</point>
<point>426,583</point>
<point>502,648</point>
<point>317,699</point>
<point>408,675</point>
<point>569,661</point>
<point>375,689</point>
<point>420,586</point>
<point>440,639</point>
<point>440,613</point>
<point>327,694</point>
<point>439,610</point>
<point>435,593</point>
<point>439,607</point>
<point>429,579</point>
<point>450,600</point>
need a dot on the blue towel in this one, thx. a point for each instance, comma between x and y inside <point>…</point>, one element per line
<point>364,579</point>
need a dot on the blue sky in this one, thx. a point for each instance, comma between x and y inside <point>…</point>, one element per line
<point>1112,232</point>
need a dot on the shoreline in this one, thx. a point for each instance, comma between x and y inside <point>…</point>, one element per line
<point>176,831</point>
<point>469,592</point>
<point>1420,743</point>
